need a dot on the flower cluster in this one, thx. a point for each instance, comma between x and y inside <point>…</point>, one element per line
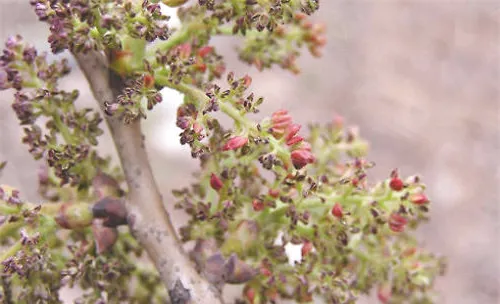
<point>262,186</point>
<point>87,25</point>
<point>323,203</point>
<point>37,97</point>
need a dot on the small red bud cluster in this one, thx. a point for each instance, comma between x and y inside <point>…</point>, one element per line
<point>283,127</point>
<point>235,143</point>
<point>419,199</point>
<point>397,222</point>
<point>314,34</point>
<point>384,293</point>
<point>200,60</point>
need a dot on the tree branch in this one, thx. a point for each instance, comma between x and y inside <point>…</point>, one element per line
<point>147,217</point>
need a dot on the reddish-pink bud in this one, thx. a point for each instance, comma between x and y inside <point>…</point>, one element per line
<point>337,210</point>
<point>197,128</point>
<point>396,184</point>
<point>419,199</point>
<point>215,182</point>
<point>257,205</point>
<point>302,157</point>
<point>384,293</point>
<point>306,248</point>
<point>292,130</point>
<point>250,294</point>
<point>184,50</point>
<point>274,192</point>
<point>397,222</point>
<point>219,70</point>
<point>294,140</point>
<point>235,143</point>
<point>200,66</point>
<point>264,270</point>
<point>148,81</point>
<point>204,51</point>
<point>300,16</point>
<point>281,121</point>
<point>355,181</point>
<point>247,81</point>
<point>409,252</point>
<point>280,112</point>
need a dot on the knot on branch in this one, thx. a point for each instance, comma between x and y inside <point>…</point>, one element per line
<point>217,269</point>
<point>111,210</point>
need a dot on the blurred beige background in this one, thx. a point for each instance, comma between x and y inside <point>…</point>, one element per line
<point>421,79</point>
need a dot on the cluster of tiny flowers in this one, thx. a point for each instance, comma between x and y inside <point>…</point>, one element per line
<point>262,185</point>
<point>323,204</point>
<point>130,104</point>
<point>253,14</point>
<point>82,25</point>
<point>280,46</point>
<point>37,95</point>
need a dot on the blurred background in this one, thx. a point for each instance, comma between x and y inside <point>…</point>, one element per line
<point>420,79</point>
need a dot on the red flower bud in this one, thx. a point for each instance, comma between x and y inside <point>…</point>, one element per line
<point>204,51</point>
<point>292,130</point>
<point>396,184</point>
<point>250,294</point>
<point>384,293</point>
<point>235,143</point>
<point>281,120</point>
<point>200,66</point>
<point>247,81</point>
<point>274,192</point>
<point>294,140</point>
<point>397,222</point>
<point>409,252</point>
<point>197,128</point>
<point>337,210</point>
<point>258,205</point>
<point>215,182</point>
<point>219,70</point>
<point>419,199</point>
<point>306,248</point>
<point>148,81</point>
<point>264,270</point>
<point>184,50</point>
<point>302,157</point>
<point>300,16</point>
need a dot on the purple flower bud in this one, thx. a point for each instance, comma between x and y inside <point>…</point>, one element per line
<point>29,54</point>
<point>41,11</point>
<point>13,42</point>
